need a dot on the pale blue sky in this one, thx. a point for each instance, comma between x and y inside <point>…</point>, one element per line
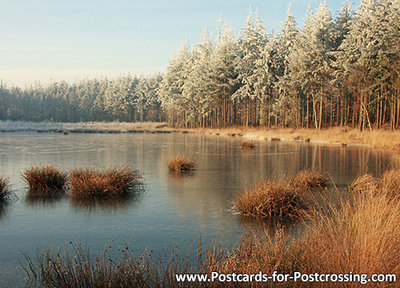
<point>52,39</point>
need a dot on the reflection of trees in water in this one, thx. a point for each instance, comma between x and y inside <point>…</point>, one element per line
<point>105,204</point>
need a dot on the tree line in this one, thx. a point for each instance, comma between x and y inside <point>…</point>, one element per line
<point>124,98</point>
<point>333,71</point>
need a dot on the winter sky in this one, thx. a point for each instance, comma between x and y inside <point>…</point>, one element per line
<point>45,40</point>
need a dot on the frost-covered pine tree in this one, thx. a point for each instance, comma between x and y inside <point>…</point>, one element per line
<point>365,57</point>
<point>248,68</point>
<point>342,26</point>
<point>224,76</point>
<point>196,89</point>
<point>171,91</point>
<point>287,103</point>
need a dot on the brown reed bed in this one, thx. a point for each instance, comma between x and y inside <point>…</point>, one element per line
<point>388,185</point>
<point>360,235</point>
<point>45,181</point>
<point>308,179</point>
<point>4,189</point>
<point>180,165</point>
<point>247,145</point>
<point>271,200</point>
<point>112,182</point>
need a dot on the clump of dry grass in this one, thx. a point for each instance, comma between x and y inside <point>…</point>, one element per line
<point>180,164</point>
<point>389,185</point>
<point>361,236</point>
<point>45,181</point>
<point>391,182</point>
<point>4,189</point>
<point>307,179</point>
<point>271,200</point>
<point>247,145</point>
<point>80,269</point>
<point>113,182</point>
<point>365,184</point>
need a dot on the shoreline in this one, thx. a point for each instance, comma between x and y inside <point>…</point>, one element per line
<point>344,136</point>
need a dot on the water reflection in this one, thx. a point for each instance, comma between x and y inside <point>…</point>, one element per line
<point>108,205</point>
<point>3,210</point>
<point>40,201</point>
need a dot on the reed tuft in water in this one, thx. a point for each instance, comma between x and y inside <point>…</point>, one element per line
<point>112,182</point>
<point>180,165</point>
<point>308,179</point>
<point>247,145</point>
<point>45,180</point>
<point>271,200</point>
<point>4,189</point>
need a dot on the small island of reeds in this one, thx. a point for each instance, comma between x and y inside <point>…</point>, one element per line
<point>45,181</point>
<point>180,165</point>
<point>113,182</point>
<point>4,189</point>
<point>271,199</point>
<point>247,145</point>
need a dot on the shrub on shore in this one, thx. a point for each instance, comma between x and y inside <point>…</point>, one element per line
<point>180,164</point>
<point>4,189</point>
<point>109,183</point>
<point>247,145</point>
<point>45,181</point>
<point>271,200</point>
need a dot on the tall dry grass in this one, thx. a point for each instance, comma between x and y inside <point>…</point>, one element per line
<point>308,179</point>
<point>271,200</point>
<point>180,164</point>
<point>361,235</point>
<point>45,180</point>
<point>4,189</point>
<point>79,269</point>
<point>112,182</point>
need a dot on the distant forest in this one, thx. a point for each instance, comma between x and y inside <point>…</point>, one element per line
<point>332,72</point>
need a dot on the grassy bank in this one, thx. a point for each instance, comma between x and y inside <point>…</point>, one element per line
<point>360,235</point>
<point>337,135</point>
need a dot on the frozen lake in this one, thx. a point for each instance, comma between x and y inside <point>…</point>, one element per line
<point>172,211</point>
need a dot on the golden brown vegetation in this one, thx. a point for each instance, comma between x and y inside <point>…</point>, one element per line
<point>307,179</point>
<point>45,181</point>
<point>389,185</point>
<point>339,135</point>
<point>180,164</point>
<point>109,183</point>
<point>247,145</point>
<point>4,189</point>
<point>269,200</point>
<point>361,235</point>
